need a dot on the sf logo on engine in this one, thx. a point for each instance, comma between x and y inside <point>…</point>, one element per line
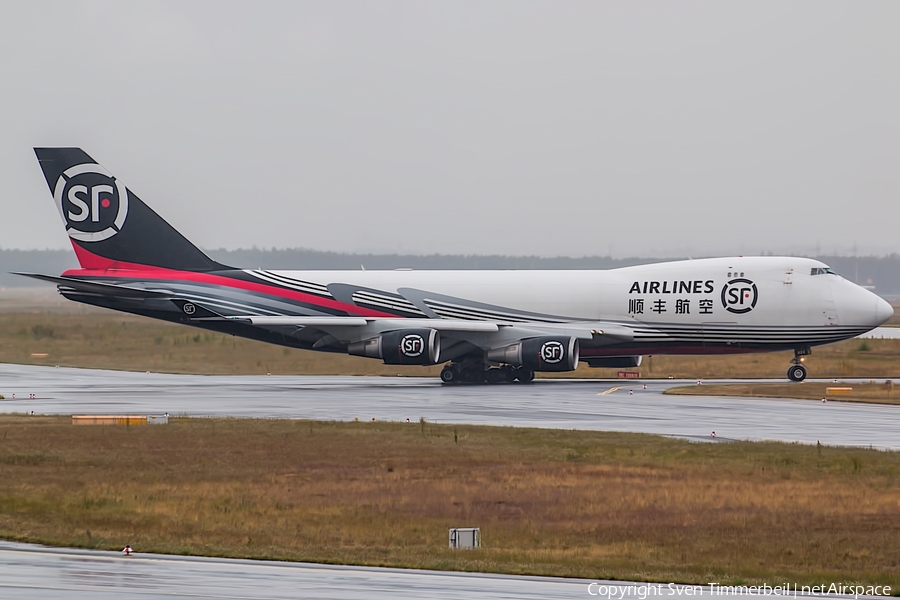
<point>412,345</point>
<point>739,296</point>
<point>552,352</point>
<point>92,203</point>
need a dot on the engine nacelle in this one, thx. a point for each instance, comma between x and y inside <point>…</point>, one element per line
<point>614,362</point>
<point>404,347</point>
<point>550,353</point>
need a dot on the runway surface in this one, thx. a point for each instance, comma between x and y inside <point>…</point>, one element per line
<point>28,571</point>
<point>565,404</point>
<point>882,333</point>
<point>35,572</point>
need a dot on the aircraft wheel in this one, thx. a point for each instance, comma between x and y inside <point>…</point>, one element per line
<point>509,374</point>
<point>449,375</point>
<point>797,373</point>
<point>524,375</point>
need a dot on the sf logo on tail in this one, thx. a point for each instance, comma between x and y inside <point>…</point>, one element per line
<point>92,203</point>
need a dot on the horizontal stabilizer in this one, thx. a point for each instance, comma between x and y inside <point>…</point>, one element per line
<point>194,311</point>
<point>93,287</point>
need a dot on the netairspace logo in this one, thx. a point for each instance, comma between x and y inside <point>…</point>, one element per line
<point>647,590</point>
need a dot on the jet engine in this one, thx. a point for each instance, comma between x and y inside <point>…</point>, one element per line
<point>539,354</point>
<point>614,362</point>
<point>403,347</point>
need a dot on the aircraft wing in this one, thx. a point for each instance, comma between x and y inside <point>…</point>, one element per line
<point>588,330</point>
<point>438,324</point>
<point>591,330</point>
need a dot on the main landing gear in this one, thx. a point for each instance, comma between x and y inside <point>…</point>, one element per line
<point>797,372</point>
<point>476,373</point>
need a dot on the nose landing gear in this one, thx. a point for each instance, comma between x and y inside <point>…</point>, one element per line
<point>797,372</point>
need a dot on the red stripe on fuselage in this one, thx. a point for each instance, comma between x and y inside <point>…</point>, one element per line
<point>97,266</point>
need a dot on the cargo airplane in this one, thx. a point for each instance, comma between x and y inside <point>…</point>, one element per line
<point>486,326</point>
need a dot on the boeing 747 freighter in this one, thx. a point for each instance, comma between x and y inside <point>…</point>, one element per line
<point>486,326</point>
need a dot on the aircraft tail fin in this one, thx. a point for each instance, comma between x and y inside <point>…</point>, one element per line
<point>109,226</point>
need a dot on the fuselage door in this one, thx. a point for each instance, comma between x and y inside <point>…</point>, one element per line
<point>829,309</point>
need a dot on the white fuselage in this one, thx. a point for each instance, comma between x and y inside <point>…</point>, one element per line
<point>706,306</point>
<point>786,292</point>
<point>713,305</point>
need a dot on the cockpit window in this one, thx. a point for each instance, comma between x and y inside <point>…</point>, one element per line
<point>821,271</point>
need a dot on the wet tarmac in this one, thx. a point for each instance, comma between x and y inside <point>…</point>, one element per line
<point>36,572</point>
<point>618,405</point>
<point>28,571</point>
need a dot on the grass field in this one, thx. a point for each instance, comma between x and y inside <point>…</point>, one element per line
<point>95,338</point>
<point>570,503</point>
<point>875,393</point>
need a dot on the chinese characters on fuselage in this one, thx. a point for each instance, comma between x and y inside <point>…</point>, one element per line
<point>682,306</point>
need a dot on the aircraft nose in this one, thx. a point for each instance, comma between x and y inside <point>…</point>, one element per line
<point>883,310</point>
<point>859,306</point>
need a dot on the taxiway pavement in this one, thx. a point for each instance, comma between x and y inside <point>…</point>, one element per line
<point>38,573</point>
<point>28,571</point>
<point>622,405</point>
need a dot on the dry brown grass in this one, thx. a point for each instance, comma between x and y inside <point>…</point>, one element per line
<point>104,339</point>
<point>572,503</point>
<point>875,393</point>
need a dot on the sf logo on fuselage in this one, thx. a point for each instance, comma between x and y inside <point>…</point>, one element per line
<point>92,203</point>
<point>739,296</point>
<point>412,345</point>
<point>552,352</point>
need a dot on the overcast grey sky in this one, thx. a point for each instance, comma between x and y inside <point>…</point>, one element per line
<point>550,128</point>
